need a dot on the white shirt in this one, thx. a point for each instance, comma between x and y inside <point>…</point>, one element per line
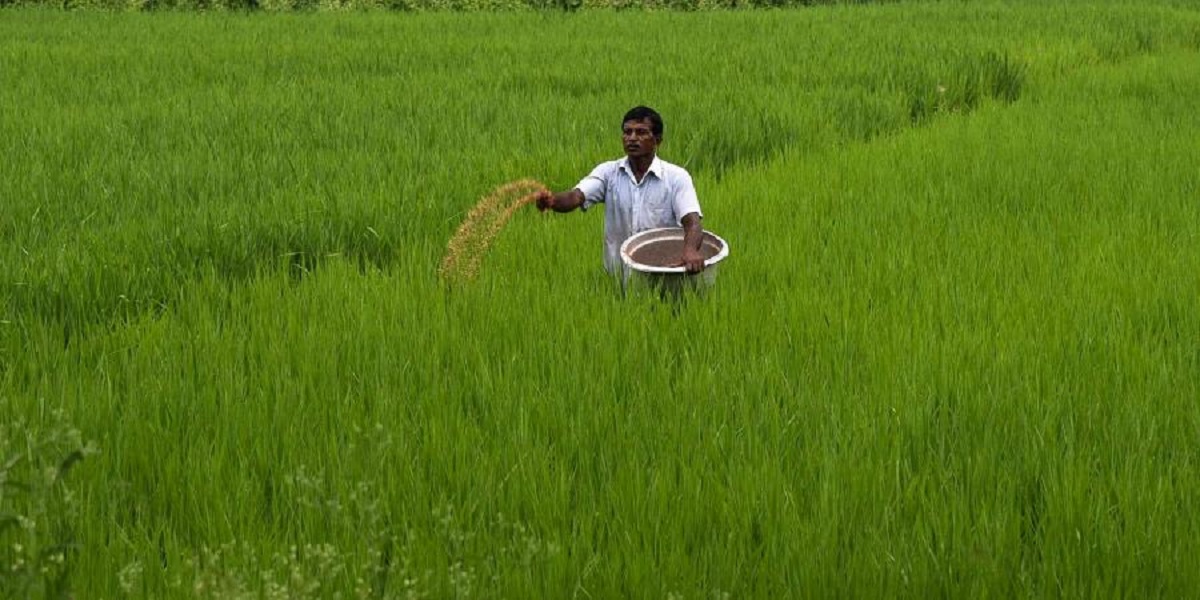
<point>661,199</point>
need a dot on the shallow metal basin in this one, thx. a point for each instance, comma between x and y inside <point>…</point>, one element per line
<point>653,257</point>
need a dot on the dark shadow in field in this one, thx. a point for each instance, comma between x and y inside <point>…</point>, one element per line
<point>991,75</point>
<point>672,292</point>
<point>104,295</point>
<point>855,110</point>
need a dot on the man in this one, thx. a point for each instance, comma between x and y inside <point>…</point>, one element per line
<point>639,192</point>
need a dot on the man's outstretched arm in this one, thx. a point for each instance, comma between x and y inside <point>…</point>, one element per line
<point>561,202</point>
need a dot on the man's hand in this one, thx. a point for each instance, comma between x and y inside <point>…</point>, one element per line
<point>692,260</point>
<point>562,202</point>
<point>545,200</point>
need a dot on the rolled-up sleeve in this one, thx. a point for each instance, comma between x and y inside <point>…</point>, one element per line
<point>593,185</point>
<point>685,201</point>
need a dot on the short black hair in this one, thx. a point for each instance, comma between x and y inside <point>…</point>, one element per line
<point>639,113</point>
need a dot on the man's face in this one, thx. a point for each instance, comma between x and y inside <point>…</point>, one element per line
<point>639,140</point>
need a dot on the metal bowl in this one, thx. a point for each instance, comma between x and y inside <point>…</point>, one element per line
<point>654,255</point>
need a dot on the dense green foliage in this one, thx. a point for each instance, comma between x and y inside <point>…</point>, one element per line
<point>955,351</point>
<point>421,5</point>
<point>456,5</point>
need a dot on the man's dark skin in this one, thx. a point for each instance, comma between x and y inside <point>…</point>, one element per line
<point>641,146</point>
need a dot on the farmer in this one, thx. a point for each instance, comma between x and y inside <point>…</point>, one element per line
<point>639,192</point>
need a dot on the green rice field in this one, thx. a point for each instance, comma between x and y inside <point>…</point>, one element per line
<point>954,352</point>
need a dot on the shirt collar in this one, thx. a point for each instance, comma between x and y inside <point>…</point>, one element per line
<point>655,167</point>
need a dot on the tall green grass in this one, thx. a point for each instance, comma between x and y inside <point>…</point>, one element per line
<point>953,353</point>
